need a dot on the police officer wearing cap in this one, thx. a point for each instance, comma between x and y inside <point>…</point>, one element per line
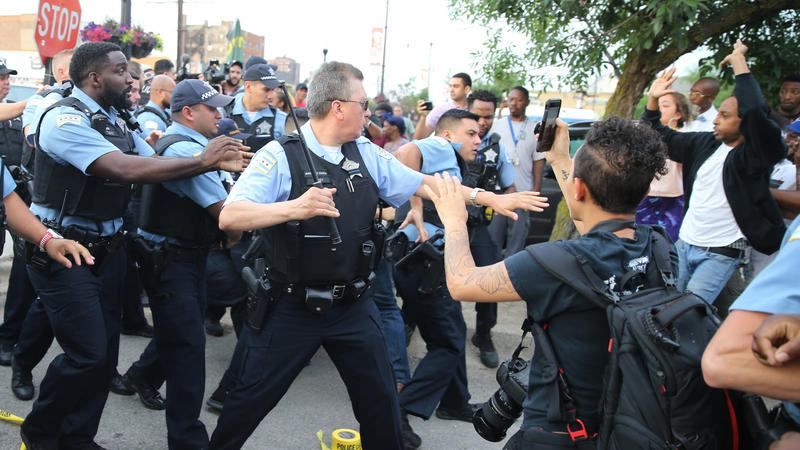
<point>252,110</point>
<point>86,160</point>
<point>317,300</point>
<point>178,225</point>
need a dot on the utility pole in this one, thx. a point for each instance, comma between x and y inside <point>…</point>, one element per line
<point>179,60</point>
<point>125,17</point>
<point>385,29</point>
<point>324,55</point>
<point>430,66</point>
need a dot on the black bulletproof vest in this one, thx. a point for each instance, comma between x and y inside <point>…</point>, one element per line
<point>168,214</point>
<point>11,139</point>
<point>64,90</point>
<point>482,173</point>
<point>64,186</point>
<point>158,112</point>
<point>263,127</point>
<point>300,251</point>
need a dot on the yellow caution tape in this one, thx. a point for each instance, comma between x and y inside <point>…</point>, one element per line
<point>341,439</point>
<point>8,417</point>
<point>22,446</point>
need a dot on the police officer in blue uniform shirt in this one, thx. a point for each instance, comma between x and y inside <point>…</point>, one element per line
<point>493,158</point>
<point>252,110</point>
<point>316,301</point>
<point>154,115</point>
<point>440,379</point>
<point>178,225</point>
<point>85,161</point>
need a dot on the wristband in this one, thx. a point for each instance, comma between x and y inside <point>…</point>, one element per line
<point>48,235</point>
<point>473,196</point>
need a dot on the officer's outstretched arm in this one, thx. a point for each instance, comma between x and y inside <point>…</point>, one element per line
<point>220,153</point>
<point>28,226</point>
<point>465,281</point>
<point>244,215</point>
<point>10,111</point>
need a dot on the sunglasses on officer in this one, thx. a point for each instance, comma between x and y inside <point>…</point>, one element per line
<point>364,103</point>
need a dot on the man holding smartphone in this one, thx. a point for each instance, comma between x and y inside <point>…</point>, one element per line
<point>460,87</point>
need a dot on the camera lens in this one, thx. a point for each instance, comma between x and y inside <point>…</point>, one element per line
<point>496,416</point>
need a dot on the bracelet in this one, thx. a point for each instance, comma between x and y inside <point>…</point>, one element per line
<point>48,235</point>
<point>473,196</point>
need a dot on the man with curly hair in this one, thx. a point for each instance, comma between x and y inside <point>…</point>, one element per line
<point>602,185</point>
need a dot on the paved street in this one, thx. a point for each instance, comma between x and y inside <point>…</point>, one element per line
<point>316,401</point>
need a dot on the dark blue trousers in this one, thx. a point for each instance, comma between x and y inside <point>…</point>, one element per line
<point>35,338</point>
<point>84,312</point>
<point>176,355</point>
<point>441,376</point>
<point>486,253</point>
<point>271,359</point>
<point>19,298</point>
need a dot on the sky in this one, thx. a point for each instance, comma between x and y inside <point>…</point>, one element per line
<point>303,29</point>
<point>421,33</point>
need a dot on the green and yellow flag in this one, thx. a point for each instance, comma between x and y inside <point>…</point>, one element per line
<point>236,43</point>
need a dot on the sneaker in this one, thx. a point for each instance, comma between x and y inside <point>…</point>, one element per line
<point>463,413</point>
<point>214,328</point>
<point>484,343</point>
<point>411,440</point>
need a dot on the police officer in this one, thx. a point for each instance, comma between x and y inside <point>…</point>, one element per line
<point>440,379</point>
<point>317,301</point>
<point>17,299</point>
<point>154,116</point>
<point>178,225</point>
<point>252,110</point>
<point>492,158</point>
<point>83,146</point>
<point>25,318</point>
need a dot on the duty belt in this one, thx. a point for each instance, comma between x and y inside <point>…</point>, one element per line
<point>92,240</point>
<point>339,291</point>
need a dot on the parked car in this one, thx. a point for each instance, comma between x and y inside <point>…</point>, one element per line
<point>541,224</point>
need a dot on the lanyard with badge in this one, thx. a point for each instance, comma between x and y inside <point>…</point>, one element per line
<point>522,136</point>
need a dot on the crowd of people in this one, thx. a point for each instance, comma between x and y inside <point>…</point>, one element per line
<point>308,213</point>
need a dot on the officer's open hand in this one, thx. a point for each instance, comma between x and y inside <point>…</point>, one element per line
<point>59,249</point>
<point>314,202</point>
<point>777,340</point>
<point>449,201</point>
<point>226,153</point>
<point>414,217</point>
<point>153,137</point>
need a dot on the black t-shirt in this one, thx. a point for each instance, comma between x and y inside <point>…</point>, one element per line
<point>577,328</point>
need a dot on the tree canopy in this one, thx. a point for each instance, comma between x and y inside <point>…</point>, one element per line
<point>631,39</point>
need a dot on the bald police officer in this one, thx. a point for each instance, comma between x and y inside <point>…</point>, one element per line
<point>317,300</point>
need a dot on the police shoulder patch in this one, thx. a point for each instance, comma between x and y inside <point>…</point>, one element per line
<point>382,153</point>
<point>264,162</point>
<point>65,118</point>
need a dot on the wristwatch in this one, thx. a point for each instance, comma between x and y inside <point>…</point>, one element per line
<point>473,196</point>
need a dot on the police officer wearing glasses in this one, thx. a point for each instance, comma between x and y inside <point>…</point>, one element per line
<point>86,160</point>
<point>317,299</point>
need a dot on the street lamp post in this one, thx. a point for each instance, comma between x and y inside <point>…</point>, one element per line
<point>385,36</point>
<point>324,55</point>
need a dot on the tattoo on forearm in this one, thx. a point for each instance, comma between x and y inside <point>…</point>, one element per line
<point>460,264</point>
<point>564,175</point>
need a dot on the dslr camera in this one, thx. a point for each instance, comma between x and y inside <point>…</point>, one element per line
<point>504,406</point>
<point>215,73</point>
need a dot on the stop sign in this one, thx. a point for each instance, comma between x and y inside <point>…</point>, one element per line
<point>57,26</point>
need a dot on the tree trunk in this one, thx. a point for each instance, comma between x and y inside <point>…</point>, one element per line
<point>640,69</point>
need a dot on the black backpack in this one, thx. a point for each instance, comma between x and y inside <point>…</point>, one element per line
<point>654,395</point>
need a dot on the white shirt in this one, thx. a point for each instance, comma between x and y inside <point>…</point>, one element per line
<point>703,122</point>
<point>709,222</point>
<point>520,144</point>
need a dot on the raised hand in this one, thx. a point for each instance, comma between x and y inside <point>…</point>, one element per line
<point>739,52</point>
<point>663,84</point>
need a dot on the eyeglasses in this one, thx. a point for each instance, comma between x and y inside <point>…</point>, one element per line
<point>364,103</point>
<point>696,94</point>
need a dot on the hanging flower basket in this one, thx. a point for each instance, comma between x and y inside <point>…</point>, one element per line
<point>134,41</point>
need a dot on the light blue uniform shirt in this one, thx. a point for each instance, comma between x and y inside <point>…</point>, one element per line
<point>68,137</point>
<point>278,129</point>
<point>34,109</point>
<point>8,183</point>
<point>204,189</point>
<point>774,290</point>
<point>267,179</point>
<point>149,121</point>
<point>505,168</point>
